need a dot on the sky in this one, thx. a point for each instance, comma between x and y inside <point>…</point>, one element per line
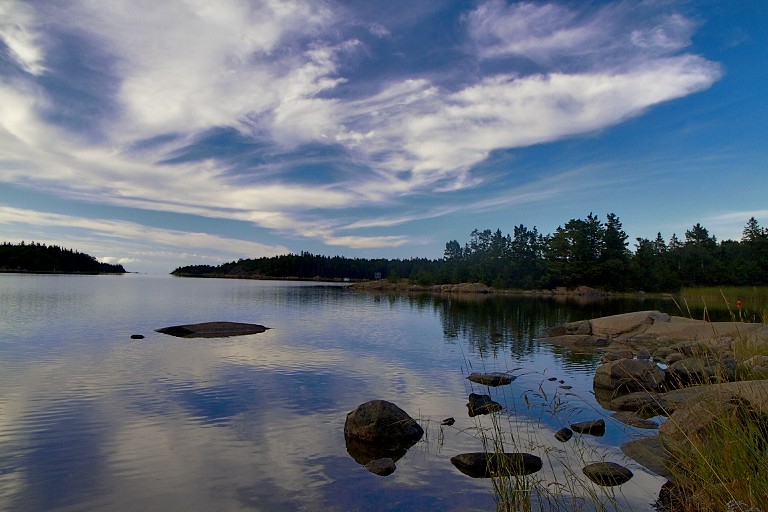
<point>163,134</point>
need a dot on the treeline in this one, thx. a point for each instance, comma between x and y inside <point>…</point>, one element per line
<point>585,251</point>
<point>37,257</point>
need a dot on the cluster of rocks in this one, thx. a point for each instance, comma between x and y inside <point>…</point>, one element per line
<point>682,369</point>
<point>651,351</point>
<point>378,433</point>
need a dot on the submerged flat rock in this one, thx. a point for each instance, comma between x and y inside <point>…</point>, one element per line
<point>213,330</point>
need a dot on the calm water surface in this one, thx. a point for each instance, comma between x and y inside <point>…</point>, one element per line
<point>92,420</point>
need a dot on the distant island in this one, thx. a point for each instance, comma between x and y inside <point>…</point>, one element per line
<point>41,258</point>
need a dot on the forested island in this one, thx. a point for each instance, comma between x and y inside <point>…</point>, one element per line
<point>586,252</point>
<point>41,258</point>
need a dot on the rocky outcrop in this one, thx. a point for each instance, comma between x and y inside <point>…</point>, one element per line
<point>212,330</point>
<point>486,465</point>
<point>633,330</point>
<point>627,375</point>
<point>696,420</point>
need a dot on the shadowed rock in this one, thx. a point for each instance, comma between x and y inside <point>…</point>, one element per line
<point>607,473</point>
<point>213,330</point>
<point>491,379</point>
<point>649,453</point>
<point>363,452</point>
<point>485,465</point>
<point>634,420</point>
<point>381,467</point>
<point>594,427</point>
<point>627,375</point>
<point>379,430</point>
<point>564,434</point>
<point>481,404</point>
<point>380,421</point>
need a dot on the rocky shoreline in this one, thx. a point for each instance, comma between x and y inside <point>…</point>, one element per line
<point>405,286</point>
<point>691,373</point>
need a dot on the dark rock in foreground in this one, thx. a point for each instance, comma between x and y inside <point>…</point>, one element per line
<point>212,330</point>
<point>382,421</point>
<point>137,336</point>
<point>382,467</point>
<point>379,429</point>
<point>481,404</point>
<point>594,427</point>
<point>491,379</point>
<point>485,465</point>
<point>607,473</point>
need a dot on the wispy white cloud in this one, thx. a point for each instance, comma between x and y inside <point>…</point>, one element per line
<point>20,34</point>
<point>275,72</point>
<point>552,34</point>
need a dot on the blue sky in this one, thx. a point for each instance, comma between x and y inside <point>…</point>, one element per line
<point>162,134</point>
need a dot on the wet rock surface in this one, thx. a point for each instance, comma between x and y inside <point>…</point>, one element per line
<point>564,434</point>
<point>594,427</point>
<point>212,330</point>
<point>382,467</point>
<point>486,465</point>
<point>607,473</point>
<point>491,379</point>
<point>379,421</point>
<point>481,404</point>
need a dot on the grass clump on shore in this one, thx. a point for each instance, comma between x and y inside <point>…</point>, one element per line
<point>724,465</point>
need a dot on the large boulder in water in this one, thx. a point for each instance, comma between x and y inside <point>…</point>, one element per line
<point>382,422</point>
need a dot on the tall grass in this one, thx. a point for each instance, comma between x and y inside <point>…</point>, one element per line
<point>754,301</point>
<point>723,466</point>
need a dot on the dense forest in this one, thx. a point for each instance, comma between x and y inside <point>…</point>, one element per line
<point>582,252</point>
<point>37,257</point>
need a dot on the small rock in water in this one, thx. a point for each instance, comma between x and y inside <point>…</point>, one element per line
<point>137,336</point>
<point>607,473</point>
<point>491,379</point>
<point>594,427</point>
<point>566,387</point>
<point>552,379</point>
<point>448,421</point>
<point>485,465</point>
<point>381,467</point>
<point>564,434</point>
<point>481,404</point>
